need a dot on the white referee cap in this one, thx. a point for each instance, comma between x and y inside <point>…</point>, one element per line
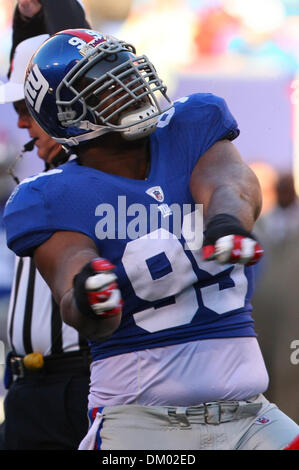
<point>13,90</point>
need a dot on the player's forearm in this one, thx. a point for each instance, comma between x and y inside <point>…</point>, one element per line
<point>65,261</point>
<point>224,184</point>
<point>233,199</point>
<point>97,328</point>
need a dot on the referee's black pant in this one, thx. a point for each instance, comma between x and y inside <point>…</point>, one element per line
<point>46,412</point>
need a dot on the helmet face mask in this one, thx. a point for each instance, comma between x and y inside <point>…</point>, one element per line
<point>103,88</point>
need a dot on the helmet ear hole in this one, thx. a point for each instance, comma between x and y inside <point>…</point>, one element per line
<point>65,116</point>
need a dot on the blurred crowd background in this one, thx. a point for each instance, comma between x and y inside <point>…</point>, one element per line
<point>246,51</point>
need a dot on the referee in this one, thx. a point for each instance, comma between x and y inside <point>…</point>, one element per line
<point>47,373</point>
<point>47,370</point>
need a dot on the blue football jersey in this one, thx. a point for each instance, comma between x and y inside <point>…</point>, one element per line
<point>145,228</point>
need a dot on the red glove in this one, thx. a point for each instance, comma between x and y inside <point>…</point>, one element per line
<point>96,291</point>
<point>226,241</point>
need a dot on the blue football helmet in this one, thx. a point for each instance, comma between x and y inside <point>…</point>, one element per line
<point>81,84</point>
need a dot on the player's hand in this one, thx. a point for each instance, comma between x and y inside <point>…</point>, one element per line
<point>96,291</point>
<point>29,8</point>
<point>226,241</point>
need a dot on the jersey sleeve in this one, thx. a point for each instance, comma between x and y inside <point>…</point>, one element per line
<point>26,219</point>
<point>199,121</point>
<point>218,123</point>
<point>48,203</point>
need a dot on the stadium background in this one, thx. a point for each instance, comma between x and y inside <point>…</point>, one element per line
<point>244,50</point>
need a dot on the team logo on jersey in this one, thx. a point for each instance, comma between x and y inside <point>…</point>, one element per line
<point>262,420</point>
<point>36,87</point>
<point>165,210</point>
<point>156,192</point>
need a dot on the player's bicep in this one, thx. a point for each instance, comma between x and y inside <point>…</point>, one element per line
<point>61,257</point>
<point>222,166</point>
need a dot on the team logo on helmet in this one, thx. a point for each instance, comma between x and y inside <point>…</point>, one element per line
<point>36,87</point>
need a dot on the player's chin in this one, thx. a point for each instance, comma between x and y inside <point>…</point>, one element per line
<point>48,152</point>
<point>42,154</point>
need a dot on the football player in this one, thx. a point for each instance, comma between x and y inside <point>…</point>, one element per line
<point>176,363</point>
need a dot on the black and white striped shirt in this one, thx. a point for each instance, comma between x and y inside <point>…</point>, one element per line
<point>34,321</point>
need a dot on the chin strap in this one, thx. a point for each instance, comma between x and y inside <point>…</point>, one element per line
<point>134,125</point>
<point>73,141</point>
